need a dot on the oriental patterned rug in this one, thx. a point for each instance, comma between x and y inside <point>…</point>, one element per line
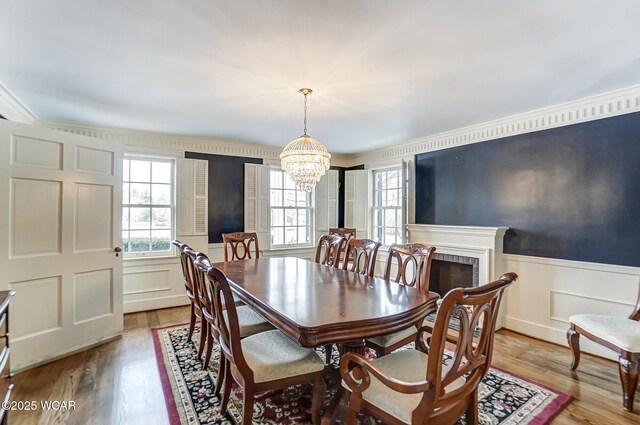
<point>504,398</point>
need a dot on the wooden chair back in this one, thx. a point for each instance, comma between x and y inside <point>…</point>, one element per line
<point>187,256</point>
<point>239,246</point>
<point>635,314</point>
<point>201,264</point>
<point>472,309</point>
<point>362,255</point>
<point>413,262</point>
<point>329,249</point>
<point>228,326</point>
<point>348,232</point>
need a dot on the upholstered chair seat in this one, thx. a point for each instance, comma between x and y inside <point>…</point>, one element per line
<point>619,331</point>
<point>250,321</point>
<point>619,334</point>
<point>407,366</point>
<point>272,355</point>
<point>393,338</point>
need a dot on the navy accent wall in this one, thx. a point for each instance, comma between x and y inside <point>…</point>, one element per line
<point>226,192</point>
<point>571,192</point>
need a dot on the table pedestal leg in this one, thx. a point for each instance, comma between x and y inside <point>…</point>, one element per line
<point>340,402</point>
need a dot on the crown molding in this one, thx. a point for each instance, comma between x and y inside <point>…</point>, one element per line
<point>174,142</point>
<point>13,109</point>
<point>618,102</point>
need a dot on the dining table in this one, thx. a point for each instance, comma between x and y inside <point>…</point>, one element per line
<point>317,305</point>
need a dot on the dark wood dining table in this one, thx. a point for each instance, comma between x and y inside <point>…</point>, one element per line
<point>317,305</point>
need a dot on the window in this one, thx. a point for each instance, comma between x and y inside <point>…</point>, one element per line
<point>387,210</point>
<point>290,211</point>
<point>147,206</point>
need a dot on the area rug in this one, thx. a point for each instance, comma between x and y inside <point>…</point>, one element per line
<point>504,398</point>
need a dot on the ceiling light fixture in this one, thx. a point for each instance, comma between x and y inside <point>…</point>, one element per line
<point>305,159</point>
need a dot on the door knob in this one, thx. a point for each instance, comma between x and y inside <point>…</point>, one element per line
<point>117,250</point>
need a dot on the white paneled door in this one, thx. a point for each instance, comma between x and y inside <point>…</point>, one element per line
<point>60,218</point>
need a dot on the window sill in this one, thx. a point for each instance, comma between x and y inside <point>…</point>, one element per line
<point>289,248</point>
<point>151,257</point>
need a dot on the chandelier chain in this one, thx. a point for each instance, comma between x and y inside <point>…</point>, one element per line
<point>305,113</point>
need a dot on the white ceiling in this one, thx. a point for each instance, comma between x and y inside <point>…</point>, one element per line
<point>383,72</point>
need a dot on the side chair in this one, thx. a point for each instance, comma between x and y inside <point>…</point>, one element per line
<point>261,362</point>
<point>413,265</point>
<point>619,334</point>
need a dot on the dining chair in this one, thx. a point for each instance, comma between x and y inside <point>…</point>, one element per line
<point>249,321</point>
<point>328,250</point>
<point>348,233</point>
<point>262,362</point>
<point>413,386</point>
<point>619,334</point>
<point>188,272</point>
<point>239,246</point>
<point>412,264</point>
<point>362,255</point>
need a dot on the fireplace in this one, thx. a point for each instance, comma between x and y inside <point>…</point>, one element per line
<point>453,271</point>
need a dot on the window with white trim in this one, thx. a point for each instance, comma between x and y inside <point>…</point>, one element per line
<point>147,206</point>
<point>387,206</point>
<point>291,212</point>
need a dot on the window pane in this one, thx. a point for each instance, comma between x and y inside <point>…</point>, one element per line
<point>161,172</point>
<point>302,217</point>
<point>161,218</point>
<point>288,183</point>
<point>125,218</point>
<point>160,240</point>
<point>303,235</point>
<point>125,193</point>
<point>289,198</point>
<point>276,198</point>
<point>399,218</point>
<point>302,198</point>
<point>161,194</point>
<point>290,217</point>
<point>140,218</point>
<point>140,171</point>
<point>277,217</point>
<point>390,218</point>
<point>276,179</point>
<point>140,241</point>
<point>277,235</point>
<point>393,180</point>
<point>140,193</point>
<point>291,235</point>
<point>125,170</point>
<point>383,198</point>
<point>125,241</point>
<point>393,199</point>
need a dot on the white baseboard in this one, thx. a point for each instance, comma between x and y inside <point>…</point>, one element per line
<point>155,303</point>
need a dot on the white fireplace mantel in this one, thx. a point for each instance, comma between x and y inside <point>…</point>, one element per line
<point>484,243</point>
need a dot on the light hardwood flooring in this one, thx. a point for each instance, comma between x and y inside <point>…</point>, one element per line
<point>118,382</point>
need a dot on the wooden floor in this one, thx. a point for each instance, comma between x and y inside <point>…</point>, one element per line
<point>118,382</point>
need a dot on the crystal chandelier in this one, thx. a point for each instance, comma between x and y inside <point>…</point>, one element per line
<point>305,159</point>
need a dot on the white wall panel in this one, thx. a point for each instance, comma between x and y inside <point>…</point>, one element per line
<point>35,217</point>
<point>94,161</point>
<point>39,295</point>
<point>93,222</point>
<point>92,298</point>
<point>35,152</point>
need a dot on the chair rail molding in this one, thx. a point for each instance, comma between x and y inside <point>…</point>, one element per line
<point>13,109</point>
<point>604,105</point>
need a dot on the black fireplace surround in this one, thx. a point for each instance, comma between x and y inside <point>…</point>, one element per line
<point>453,271</point>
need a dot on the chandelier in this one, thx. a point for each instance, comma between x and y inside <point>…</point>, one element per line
<point>305,159</point>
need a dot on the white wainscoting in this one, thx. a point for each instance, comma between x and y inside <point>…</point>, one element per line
<point>549,290</point>
<point>151,283</point>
